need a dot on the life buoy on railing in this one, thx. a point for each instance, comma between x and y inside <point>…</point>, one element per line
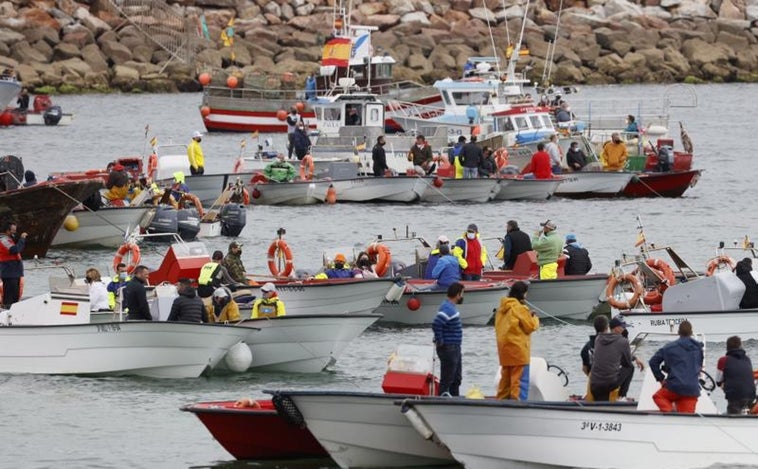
<point>715,263</point>
<point>277,250</point>
<point>614,281</point>
<point>307,164</point>
<point>195,200</point>
<point>380,255</point>
<point>135,256</point>
<point>152,165</point>
<point>664,272</point>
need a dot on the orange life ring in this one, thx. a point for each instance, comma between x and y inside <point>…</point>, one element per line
<point>380,255</point>
<point>152,165</point>
<point>307,162</point>
<point>665,272</point>
<point>245,197</point>
<point>239,166</point>
<point>717,261</point>
<point>135,256</point>
<point>195,200</point>
<point>279,249</point>
<point>614,281</point>
<point>501,158</point>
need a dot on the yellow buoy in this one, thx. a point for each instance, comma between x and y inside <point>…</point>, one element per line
<point>71,223</point>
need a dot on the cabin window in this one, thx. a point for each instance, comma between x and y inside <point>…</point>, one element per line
<point>521,123</point>
<point>467,97</point>
<point>332,114</point>
<point>383,70</point>
<point>546,122</point>
<point>446,98</point>
<point>358,71</point>
<point>507,125</point>
<point>535,121</point>
<point>374,115</point>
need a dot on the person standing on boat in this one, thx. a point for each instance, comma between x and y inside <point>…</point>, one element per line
<point>213,275</point>
<point>614,154</point>
<point>117,282</point>
<point>514,325</point>
<point>187,307</point>
<point>515,243</point>
<point>625,372</point>
<point>280,170</point>
<point>555,153</point>
<point>379,157</point>
<point>223,308</point>
<point>548,245</point>
<point>575,157</point>
<point>632,130</point>
<point>455,156</point>
<point>421,156</point>
<point>578,258</point>
<point>233,263</point>
<point>300,141</point>
<point>195,154</point>
<point>269,306</point>
<point>488,166</point>
<point>135,296</point>
<point>612,360</point>
<point>471,158</point>
<point>743,270</point>
<point>292,119</point>
<point>541,167</point>
<point>448,337</point>
<point>98,293</point>
<point>563,115</point>
<point>11,265</point>
<point>310,87</point>
<point>23,100</point>
<point>735,377</point>
<point>117,183</point>
<point>683,360</point>
<point>447,269</point>
<point>470,248</point>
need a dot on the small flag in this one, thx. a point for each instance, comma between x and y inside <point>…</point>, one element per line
<point>509,51</point>
<point>154,141</point>
<point>243,143</point>
<point>337,52</point>
<point>254,134</point>
<point>640,239</point>
<point>69,308</point>
<point>361,146</point>
<point>746,243</point>
<point>227,34</point>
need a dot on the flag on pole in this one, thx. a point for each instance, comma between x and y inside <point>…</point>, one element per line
<point>640,239</point>
<point>154,141</point>
<point>746,243</point>
<point>509,51</point>
<point>243,143</point>
<point>254,134</point>
<point>337,52</point>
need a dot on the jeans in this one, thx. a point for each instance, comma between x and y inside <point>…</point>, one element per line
<point>471,277</point>
<point>451,368</point>
<point>625,379</point>
<point>470,173</point>
<point>11,291</point>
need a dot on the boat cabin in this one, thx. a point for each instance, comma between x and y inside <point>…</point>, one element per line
<point>523,124</point>
<point>346,111</point>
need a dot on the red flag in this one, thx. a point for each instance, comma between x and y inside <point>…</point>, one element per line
<point>337,52</point>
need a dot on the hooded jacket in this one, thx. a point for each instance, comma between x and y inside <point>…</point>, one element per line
<point>229,312</point>
<point>612,352</point>
<point>578,262</point>
<point>684,360</point>
<point>187,307</point>
<point>736,375</point>
<point>514,324</point>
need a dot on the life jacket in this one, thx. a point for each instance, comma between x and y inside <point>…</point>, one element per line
<point>6,243</point>
<point>206,273</point>
<point>264,308</point>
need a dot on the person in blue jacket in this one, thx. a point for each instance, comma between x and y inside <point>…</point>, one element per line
<point>340,269</point>
<point>447,271</point>
<point>683,359</point>
<point>448,336</point>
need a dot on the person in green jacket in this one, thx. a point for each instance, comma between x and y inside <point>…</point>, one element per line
<point>279,170</point>
<point>548,245</point>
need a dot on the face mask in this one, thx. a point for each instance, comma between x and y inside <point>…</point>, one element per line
<point>339,265</point>
<point>471,235</point>
<point>420,145</point>
<point>122,276</point>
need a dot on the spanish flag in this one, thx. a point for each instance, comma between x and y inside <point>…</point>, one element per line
<point>640,239</point>
<point>69,308</point>
<point>337,52</point>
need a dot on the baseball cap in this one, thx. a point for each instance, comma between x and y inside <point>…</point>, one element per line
<point>443,239</point>
<point>570,238</point>
<point>472,227</point>
<point>268,287</point>
<point>549,224</point>
<point>340,258</point>
<point>235,244</point>
<point>197,134</point>
<point>617,321</point>
<point>220,293</point>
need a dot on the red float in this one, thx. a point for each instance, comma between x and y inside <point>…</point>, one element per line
<point>438,182</point>
<point>204,78</point>
<point>6,119</point>
<point>300,106</point>
<point>232,81</point>
<point>414,303</point>
<point>204,111</point>
<point>281,114</point>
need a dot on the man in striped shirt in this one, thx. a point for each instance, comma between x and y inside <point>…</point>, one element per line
<point>448,335</point>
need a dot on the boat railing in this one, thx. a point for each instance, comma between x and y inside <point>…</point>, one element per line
<point>413,110</point>
<point>611,113</point>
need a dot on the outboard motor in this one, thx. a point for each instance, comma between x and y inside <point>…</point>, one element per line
<point>233,219</point>
<point>665,158</point>
<point>187,223</point>
<point>164,221</point>
<point>52,115</point>
<point>11,172</point>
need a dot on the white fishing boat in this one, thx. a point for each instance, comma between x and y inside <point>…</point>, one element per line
<point>52,334</point>
<point>460,190</point>
<point>570,297</point>
<point>526,189</point>
<point>419,304</point>
<point>288,193</point>
<point>380,189</point>
<point>302,343</point>
<point>9,90</point>
<point>593,183</point>
<point>105,227</point>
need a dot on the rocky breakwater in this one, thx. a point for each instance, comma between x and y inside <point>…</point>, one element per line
<point>90,45</point>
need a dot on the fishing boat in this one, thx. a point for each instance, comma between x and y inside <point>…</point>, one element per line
<point>460,190</point>
<point>514,188</point>
<point>43,112</point>
<point>380,189</point>
<point>105,227</point>
<point>9,89</point>
<point>264,192</point>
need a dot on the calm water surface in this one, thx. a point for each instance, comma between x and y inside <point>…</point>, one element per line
<point>55,421</point>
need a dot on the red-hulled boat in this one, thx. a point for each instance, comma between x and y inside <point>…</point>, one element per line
<point>256,432</point>
<point>667,184</point>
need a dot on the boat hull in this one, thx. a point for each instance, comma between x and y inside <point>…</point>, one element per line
<point>460,190</point>
<point>302,344</point>
<point>365,430</point>
<point>526,189</point>
<point>105,228</point>
<point>9,90</point>
<point>373,189</point>
<point>593,184</point>
<point>669,184</point>
<point>481,299</point>
<point>288,193</point>
<point>569,435</point>
<point>716,326</point>
<point>261,434</point>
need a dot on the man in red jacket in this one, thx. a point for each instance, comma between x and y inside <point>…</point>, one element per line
<point>541,166</point>
<point>11,266</point>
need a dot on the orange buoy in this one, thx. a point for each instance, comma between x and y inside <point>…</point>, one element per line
<point>413,303</point>
<point>204,111</point>
<point>204,78</point>
<point>232,81</point>
<point>6,118</point>
<point>300,106</point>
<point>331,195</point>
<point>281,114</point>
<point>438,182</point>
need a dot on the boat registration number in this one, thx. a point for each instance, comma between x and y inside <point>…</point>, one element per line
<point>601,426</point>
<point>291,288</point>
<point>108,328</point>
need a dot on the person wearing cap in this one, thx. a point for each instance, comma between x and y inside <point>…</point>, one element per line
<point>117,183</point>
<point>213,275</point>
<point>195,154</point>
<point>514,325</point>
<point>515,243</point>
<point>340,269</point>
<point>179,187</point>
<point>614,154</point>
<point>269,305</point>
<point>279,170</point>
<point>448,337</point>
<point>223,308</point>
<point>735,377</point>
<point>435,255</point>
<point>611,355</point>
<point>447,270</point>
<point>473,251</point>
<point>616,326</point>
<point>683,361</point>
<point>233,263</point>
<point>577,257</point>
<point>187,307</point>
<point>548,246</point>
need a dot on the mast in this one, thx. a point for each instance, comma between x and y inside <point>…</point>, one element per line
<point>511,70</point>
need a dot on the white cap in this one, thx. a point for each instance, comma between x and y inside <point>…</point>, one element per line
<point>220,293</point>
<point>443,239</point>
<point>268,287</point>
<point>197,134</point>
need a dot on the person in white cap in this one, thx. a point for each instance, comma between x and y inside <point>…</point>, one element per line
<point>223,308</point>
<point>435,255</point>
<point>269,305</point>
<point>548,246</point>
<point>195,154</point>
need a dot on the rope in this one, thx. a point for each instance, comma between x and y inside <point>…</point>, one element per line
<point>749,450</point>
<point>646,185</point>
<point>438,191</point>
<point>542,311</point>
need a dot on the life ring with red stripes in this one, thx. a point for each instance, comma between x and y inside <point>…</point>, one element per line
<point>380,255</point>
<point>501,158</point>
<point>615,281</point>
<point>134,257</point>
<point>277,250</point>
<point>665,272</point>
<point>195,200</point>
<point>718,261</point>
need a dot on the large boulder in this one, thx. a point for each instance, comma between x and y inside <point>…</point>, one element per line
<point>65,51</point>
<point>415,17</point>
<point>699,53</point>
<point>94,58</point>
<point>23,52</point>
<point>39,18</point>
<point>45,49</point>
<point>115,52</point>
<point>124,78</point>
<point>72,67</point>
<point>28,76</point>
